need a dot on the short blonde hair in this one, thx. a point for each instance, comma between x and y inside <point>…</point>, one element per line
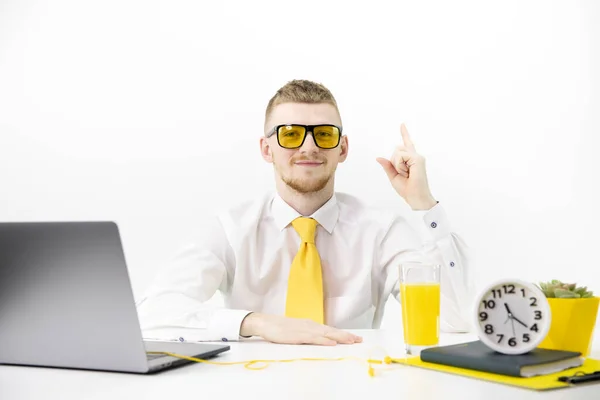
<point>301,91</point>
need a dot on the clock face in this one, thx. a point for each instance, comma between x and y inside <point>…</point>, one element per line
<point>513,316</point>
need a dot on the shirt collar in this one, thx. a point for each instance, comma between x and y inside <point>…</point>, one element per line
<point>326,216</point>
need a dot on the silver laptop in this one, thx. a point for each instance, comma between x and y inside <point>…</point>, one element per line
<point>66,301</point>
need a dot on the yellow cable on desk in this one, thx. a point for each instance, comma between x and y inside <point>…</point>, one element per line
<point>251,364</point>
<point>542,382</point>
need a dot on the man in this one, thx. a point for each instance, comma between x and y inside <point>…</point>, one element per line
<point>300,265</point>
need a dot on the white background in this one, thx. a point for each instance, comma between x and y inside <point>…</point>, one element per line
<point>148,113</point>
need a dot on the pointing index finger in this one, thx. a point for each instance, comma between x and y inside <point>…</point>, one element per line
<point>406,138</point>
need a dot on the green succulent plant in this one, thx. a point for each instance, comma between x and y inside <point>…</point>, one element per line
<point>561,290</point>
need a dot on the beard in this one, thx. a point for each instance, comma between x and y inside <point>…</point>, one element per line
<point>305,185</point>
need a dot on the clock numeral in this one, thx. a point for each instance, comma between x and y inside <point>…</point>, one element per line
<point>501,337</point>
<point>489,303</point>
<point>533,301</point>
<point>509,289</point>
<point>483,316</point>
<point>538,315</point>
<point>525,337</point>
<point>534,328</point>
<point>489,329</point>
<point>523,291</point>
<point>497,292</point>
<point>512,342</point>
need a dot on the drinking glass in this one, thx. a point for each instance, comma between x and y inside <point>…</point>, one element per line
<point>420,302</point>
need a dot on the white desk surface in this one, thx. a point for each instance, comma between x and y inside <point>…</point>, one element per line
<point>312,380</point>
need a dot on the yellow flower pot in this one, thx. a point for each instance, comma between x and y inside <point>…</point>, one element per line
<point>572,326</point>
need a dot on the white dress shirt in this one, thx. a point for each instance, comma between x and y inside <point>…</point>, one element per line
<point>248,250</point>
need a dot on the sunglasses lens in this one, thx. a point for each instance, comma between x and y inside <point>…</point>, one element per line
<point>290,136</point>
<point>327,137</point>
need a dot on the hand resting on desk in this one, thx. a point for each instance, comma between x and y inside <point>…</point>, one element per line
<point>278,329</point>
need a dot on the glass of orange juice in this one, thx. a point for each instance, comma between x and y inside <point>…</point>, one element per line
<point>420,301</point>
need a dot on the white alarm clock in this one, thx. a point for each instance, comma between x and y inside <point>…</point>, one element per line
<point>512,316</point>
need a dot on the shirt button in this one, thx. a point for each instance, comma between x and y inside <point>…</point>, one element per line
<point>224,339</point>
<point>181,339</point>
<point>433,225</point>
<point>452,263</point>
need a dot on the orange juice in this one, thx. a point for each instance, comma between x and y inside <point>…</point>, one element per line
<point>420,313</point>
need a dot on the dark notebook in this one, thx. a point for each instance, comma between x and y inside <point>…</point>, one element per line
<point>477,356</point>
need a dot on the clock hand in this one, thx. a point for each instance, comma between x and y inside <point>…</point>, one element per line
<point>508,312</point>
<point>519,321</point>
<point>512,321</point>
<point>511,316</point>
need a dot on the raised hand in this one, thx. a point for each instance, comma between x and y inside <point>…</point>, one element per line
<point>406,172</point>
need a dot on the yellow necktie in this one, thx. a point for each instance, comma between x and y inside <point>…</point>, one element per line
<point>305,282</point>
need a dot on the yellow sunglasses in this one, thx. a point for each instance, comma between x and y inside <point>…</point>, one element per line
<point>292,136</point>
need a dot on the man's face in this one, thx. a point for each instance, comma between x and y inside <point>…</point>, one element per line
<point>309,168</point>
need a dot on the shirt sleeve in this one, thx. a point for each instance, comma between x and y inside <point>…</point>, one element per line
<point>174,306</point>
<point>442,246</point>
